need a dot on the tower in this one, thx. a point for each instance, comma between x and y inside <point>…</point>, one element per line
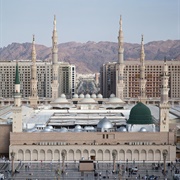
<point>16,109</point>
<point>55,65</point>
<point>142,81</point>
<point>34,95</point>
<point>164,105</point>
<point>120,64</point>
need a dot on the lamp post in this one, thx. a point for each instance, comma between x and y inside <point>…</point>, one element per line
<point>12,159</point>
<point>164,158</point>
<point>63,154</point>
<point>114,154</point>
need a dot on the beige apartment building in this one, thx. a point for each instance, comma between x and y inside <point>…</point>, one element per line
<point>66,78</point>
<point>153,70</point>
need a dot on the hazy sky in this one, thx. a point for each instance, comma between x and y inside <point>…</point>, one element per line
<point>88,20</point>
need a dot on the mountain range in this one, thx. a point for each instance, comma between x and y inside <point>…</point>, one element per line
<point>89,57</point>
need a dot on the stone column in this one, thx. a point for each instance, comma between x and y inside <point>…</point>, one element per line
<point>63,154</point>
<point>164,158</point>
<point>114,154</point>
<point>12,161</point>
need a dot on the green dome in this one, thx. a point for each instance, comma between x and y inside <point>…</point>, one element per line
<point>140,114</point>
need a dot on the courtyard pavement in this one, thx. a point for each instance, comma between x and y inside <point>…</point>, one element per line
<point>103,170</point>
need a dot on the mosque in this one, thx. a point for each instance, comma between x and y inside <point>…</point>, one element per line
<point>90,126</point>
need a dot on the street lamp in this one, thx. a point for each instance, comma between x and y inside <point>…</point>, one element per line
<point>63,154</point>
<point>164,158</point>
<point>12,159</point>
<point>114,154</point>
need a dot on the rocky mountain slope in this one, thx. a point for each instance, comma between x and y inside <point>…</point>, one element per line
<point>88,57</point>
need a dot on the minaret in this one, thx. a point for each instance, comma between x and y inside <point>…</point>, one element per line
<point>55,65</point>
<point>16,109</point>
<point>142,81</point>
<point>120,64</point>
<point>164,105</point>
<point>34,95</point>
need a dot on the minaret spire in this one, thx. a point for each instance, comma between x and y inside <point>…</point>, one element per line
<point>142,80</point>
<point>17,111</point>
<point>33,54</point>
<point>120,43</point>
<point>55,66</point>
<point>17,80</point>
<point>164,105</point>
<point>54,43</point>
<point>120,23</point>
<point>142,58</point>
<point>120,63</point>
<point>34,95</point>
<point>54,22</point>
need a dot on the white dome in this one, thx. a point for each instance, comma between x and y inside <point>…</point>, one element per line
<point>63,129</point>
<point>93,96</point>
<point>122,129</point>
<point>104,124</point>
<point>99,96</point>
<point>88,100</point>
<point>112,95</point>
<point>61,99</point>
<point>87,96</point>
<point>115,100</point>
<point>78,127</point>
<point>88,128</point>
<point>75,96</point>
<point>63,95</point>
<point>49,127</point>
<point>143,129</point>
<point>81,95</point>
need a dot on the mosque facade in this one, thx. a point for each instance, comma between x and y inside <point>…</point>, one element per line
<point>90,132</point>
<point>48,146</point>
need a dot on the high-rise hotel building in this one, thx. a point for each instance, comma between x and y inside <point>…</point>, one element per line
<point>66,78</point>
<point>153,70</point>
<point>38,78</point>
<point>139,76</point>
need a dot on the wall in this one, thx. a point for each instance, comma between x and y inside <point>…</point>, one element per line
<point>92,138</point>
<point>100,152</point>
<point>5,130</point>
